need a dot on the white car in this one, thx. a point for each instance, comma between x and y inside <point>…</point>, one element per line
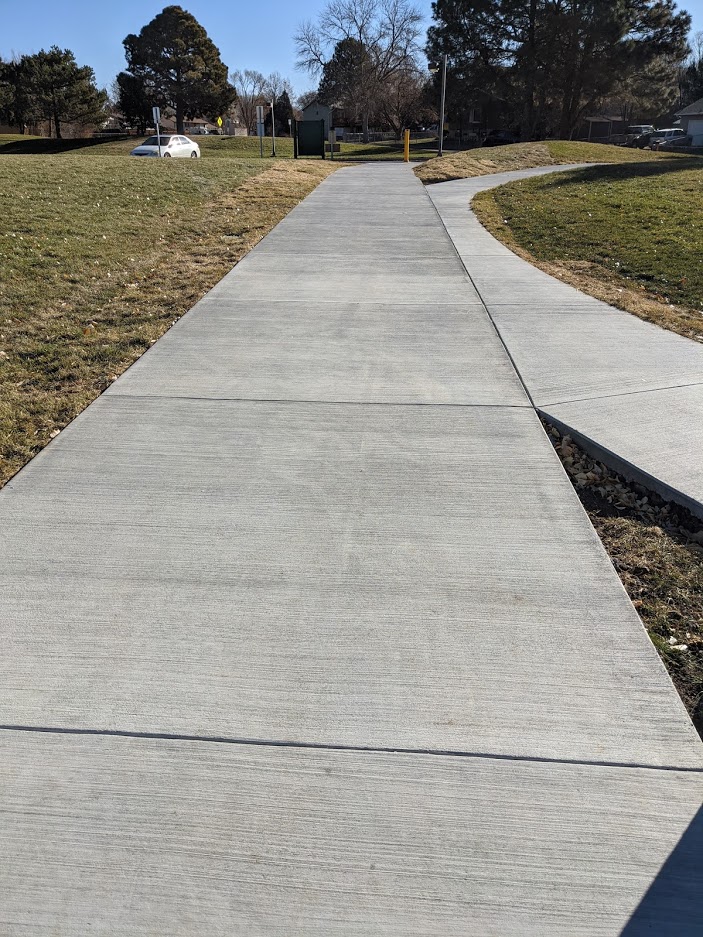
<point>171,145</point>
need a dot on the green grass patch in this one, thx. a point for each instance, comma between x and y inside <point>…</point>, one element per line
<point>100,254</point>
<point>638,222</point>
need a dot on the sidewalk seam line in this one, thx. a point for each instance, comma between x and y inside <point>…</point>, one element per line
<point>624,393</point>
<point>332,747</point>
<point>333,403</point>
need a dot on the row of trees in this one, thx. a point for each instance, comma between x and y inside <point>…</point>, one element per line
<point>50,87</point>
<point>546,63</point>
<point>552,61</point>
<point>536,65</point>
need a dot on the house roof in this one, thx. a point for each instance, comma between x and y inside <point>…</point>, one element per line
<point>692,109</point>
<point>314,103</point>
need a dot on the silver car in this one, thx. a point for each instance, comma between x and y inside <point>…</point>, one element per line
<point>171,145</point>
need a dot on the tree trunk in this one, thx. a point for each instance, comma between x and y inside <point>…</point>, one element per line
<point>180,118</point>
<point>365,126</point>
<point>57,126</point>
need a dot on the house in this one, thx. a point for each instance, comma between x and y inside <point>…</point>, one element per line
<point>691,119</point>
<point>316,111</point>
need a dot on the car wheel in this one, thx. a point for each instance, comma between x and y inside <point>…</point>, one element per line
<point>167,156</point>
<point>193,155</point>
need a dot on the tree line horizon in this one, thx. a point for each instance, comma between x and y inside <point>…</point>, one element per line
<point>537,66</point>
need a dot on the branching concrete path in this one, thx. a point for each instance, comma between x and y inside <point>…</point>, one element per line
<point>631,392</point>
<point>307,634</point>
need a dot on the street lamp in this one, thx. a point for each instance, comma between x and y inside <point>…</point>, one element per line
<point>434,67</point>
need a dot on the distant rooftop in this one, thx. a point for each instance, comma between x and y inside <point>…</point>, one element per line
<point>692,109</point>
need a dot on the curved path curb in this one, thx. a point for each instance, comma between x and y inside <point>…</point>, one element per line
<point>628,391</point>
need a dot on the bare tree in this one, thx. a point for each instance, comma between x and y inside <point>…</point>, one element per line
<point>305,98</point>
<point>402,99</point>
<point>385,32</point>
<point>250,87</point>
<point>274,86</point>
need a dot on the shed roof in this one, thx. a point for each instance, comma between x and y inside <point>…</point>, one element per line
<point>315,103</point>
<point>692,110</point>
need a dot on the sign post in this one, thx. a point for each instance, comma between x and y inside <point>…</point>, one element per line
<point>260,128</point>
<point>156,111</point>
<point>406,146</point>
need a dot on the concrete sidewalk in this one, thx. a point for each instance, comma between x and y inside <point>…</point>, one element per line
<point>629,391</point>
<point>308,634</point>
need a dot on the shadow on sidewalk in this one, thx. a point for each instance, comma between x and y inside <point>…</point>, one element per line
<point>673,904</point>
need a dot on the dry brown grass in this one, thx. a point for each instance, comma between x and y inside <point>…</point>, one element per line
<point>593,279</point>
<point>65,339</point>
<point>484,161</point>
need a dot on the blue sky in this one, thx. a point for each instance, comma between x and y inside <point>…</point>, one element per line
<point>249,34</point>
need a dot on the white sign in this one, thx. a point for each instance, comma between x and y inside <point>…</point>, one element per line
<point>156,111</point>
<point>259,113</point>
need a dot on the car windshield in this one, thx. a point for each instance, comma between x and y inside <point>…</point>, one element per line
<point>154,141</point>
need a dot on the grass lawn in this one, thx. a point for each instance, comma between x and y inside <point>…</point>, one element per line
<point>630,234</point>
<point>213,147</point>
<point>483,161</point>
<point>99,255</point>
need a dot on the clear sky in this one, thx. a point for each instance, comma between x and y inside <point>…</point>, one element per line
<point>249,33</point>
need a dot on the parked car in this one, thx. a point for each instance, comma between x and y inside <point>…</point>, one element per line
<point>678,143</point>
<point>171,145</point>
<point>664,136</point>
<point>635,131</point>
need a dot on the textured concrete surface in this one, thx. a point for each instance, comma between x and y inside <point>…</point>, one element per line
<point>631,392</point>
<point>155,837</point>
<point>361,352</point>
<point>268,600</point>
<point>420,577</point>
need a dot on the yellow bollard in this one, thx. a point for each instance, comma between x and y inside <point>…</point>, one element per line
<point>406,148</point>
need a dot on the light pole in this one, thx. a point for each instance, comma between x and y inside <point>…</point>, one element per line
<point>434,67</point>
<point>273,129</point>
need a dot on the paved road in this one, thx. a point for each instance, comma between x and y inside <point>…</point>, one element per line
<point>307,634</point>
<point>630,391</point>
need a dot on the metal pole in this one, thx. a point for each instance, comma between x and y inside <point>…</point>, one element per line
<point>273,130</point>
<point>441,107</point>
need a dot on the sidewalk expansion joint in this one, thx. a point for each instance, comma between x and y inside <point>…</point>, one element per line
<point>623,393</point>
<point>315,403</point>
<point>331,747</point>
